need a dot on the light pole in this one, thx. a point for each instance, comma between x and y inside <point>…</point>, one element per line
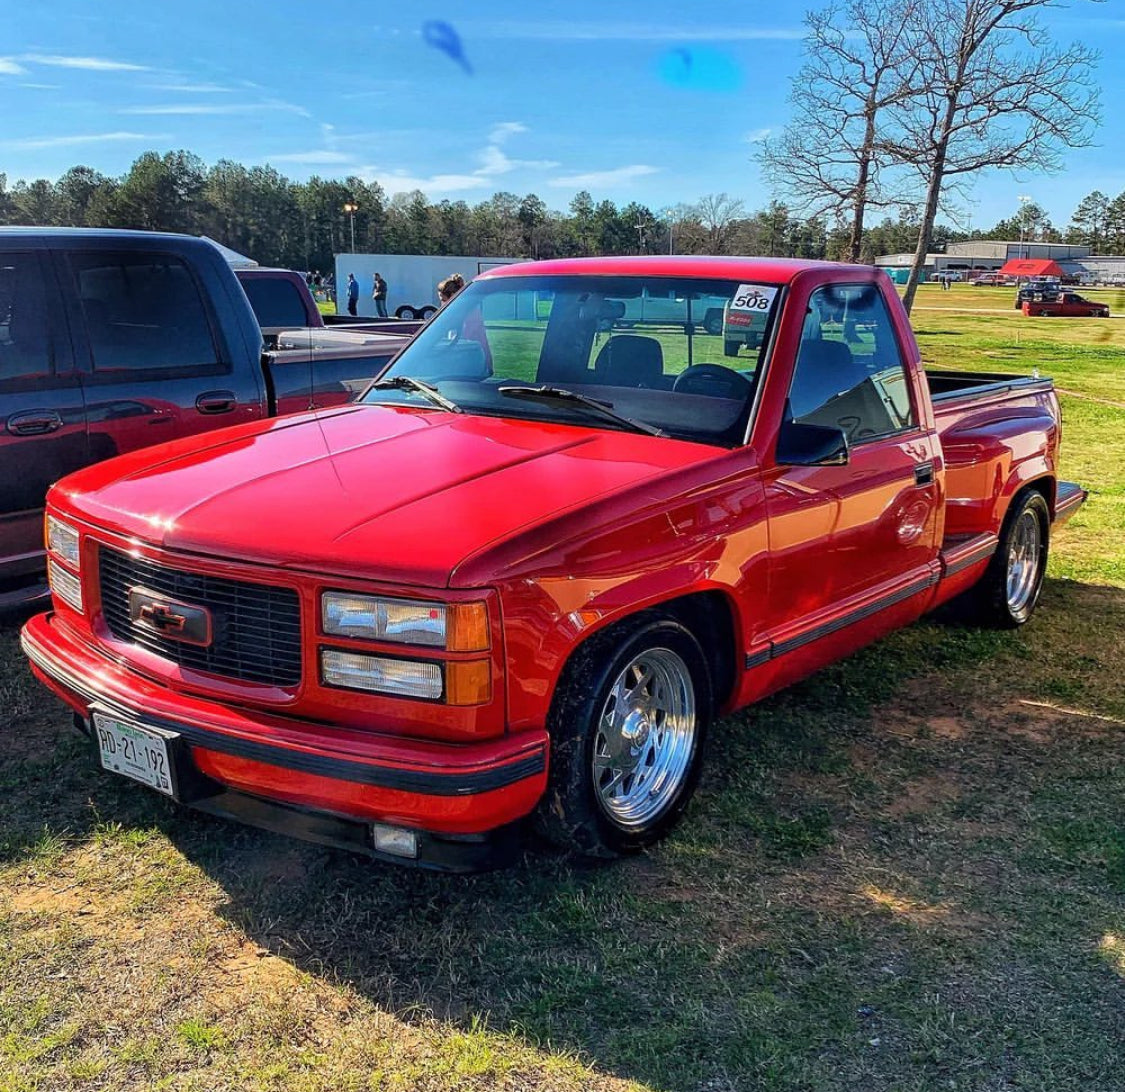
<point>1023,199</point>
<point>670,216</point>
<point>351,208</point>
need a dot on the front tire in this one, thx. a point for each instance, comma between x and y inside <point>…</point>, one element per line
<point>1007,594</point>
<point>628,726</point>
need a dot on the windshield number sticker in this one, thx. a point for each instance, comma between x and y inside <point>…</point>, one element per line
<point>753,297</point>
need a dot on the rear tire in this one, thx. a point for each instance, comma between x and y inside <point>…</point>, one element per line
<point>426,313</point>
<point>1006,596</point>
<point>628,725</point>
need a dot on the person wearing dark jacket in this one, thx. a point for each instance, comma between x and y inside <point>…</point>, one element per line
<point>353,293</point>
<point>379,295</point>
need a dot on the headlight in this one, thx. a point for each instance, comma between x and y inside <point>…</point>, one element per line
<point>62,541</point>
<point>402,678</point>
<point>455,627</point>
<point>65,585</point>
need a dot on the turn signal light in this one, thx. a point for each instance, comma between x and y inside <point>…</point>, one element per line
<point>468,682</point>
<point>467,627</point>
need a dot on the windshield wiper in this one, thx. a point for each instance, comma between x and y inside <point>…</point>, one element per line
<point>561,394</point>
<point>418,386</point>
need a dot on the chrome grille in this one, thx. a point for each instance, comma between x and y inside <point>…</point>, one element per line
<point>256,628</point>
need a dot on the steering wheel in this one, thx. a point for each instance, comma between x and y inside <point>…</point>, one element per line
<point>713,379</point>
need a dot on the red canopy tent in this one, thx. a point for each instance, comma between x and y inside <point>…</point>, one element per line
<point>1031,267</point>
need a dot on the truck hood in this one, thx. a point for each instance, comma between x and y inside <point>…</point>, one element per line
<point>372,492</point>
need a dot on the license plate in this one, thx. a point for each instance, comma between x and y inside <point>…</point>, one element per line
<point>140,753</point>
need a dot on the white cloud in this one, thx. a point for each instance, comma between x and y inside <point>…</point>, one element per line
<point>42,86</point>
<point>207,109</point>
<point>400,182</point>
<point>494,161</point>
<point>505,129</point>
<point>322,158</point>
<point>193,88</point>
<point>87,64</point>
<point>756,136</point>
<point>8,67</point>
<point>616,177</point>
<point>634,32</point>
<point>35,143</point>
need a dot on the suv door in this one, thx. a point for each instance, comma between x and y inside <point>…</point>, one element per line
<point>154,367</point>
<point>42,418</point>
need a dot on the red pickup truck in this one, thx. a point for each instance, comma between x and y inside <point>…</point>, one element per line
<point>525,572</point>
<point>1064,305</point>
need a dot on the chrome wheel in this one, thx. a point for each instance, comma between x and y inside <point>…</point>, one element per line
<point>644,738</point>
<point>1024,560</point>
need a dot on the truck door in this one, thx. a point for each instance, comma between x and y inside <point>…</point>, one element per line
<point>850,542</point>
<point>42,418</point>
<point>156,366</point>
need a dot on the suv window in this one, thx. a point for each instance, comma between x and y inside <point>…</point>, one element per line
<point>24,347</point>
<point>142,311</point>
<point>849,371</point>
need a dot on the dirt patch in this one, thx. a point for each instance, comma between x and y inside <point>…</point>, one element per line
<point>924,795</point>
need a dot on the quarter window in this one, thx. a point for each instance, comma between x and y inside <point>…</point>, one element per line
<point>849,372</point>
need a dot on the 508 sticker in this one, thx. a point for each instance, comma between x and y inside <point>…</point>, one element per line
<point>753,297</point>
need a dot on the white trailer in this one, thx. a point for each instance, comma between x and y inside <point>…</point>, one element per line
<point>412,280</point>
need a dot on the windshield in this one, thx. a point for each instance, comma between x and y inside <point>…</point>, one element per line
<point>679,355</point>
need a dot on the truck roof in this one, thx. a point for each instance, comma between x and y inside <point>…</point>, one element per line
<point>770,270</point>
<point>94,233</point>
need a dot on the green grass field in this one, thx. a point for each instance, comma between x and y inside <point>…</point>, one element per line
<point>905,874</point>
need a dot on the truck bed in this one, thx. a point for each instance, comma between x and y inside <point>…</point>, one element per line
<point>983,419</point>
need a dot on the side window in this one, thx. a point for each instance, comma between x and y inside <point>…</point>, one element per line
<point>25,354</point>
<point>276,301</point>
<point>143,311</point>
<point>849,371</point>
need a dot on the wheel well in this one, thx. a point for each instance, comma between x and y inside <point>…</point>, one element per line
<point>709,617</point>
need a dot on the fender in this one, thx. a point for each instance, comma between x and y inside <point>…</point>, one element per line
<point>990,457</point>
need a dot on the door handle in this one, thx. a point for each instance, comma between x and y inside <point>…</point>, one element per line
<point>924,473</point>
<point>212,402</point>
<point>34,423</point>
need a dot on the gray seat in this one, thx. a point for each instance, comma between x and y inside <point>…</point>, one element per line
<point>630,360</point>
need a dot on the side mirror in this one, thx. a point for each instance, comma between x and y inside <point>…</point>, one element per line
<point>811,445</point>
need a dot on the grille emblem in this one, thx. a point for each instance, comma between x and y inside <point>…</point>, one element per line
<point>169,618</point>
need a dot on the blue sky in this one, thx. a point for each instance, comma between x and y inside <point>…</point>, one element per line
<point>560,97</point>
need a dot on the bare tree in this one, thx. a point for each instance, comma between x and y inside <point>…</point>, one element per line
<point>998,93</point>
<point>717,213</point>
<point>831,159</point>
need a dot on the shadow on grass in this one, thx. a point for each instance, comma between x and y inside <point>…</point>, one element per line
<point>712,959</point>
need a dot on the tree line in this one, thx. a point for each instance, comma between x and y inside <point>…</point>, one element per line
<point>303,225</point>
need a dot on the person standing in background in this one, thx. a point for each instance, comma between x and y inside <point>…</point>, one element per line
<point>379,295</point>
<point>353,294</point>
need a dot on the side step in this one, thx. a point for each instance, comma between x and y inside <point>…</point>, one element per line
<point>964,550</point>
<point>1068,499</point>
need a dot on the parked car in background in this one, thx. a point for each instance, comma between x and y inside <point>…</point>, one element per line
<point>1066,305</point>
<point>117,340</point>
<point>989,280</point>
<point>524,573</point>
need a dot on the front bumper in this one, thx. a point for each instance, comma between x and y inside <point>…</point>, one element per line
<point>311,780</point>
